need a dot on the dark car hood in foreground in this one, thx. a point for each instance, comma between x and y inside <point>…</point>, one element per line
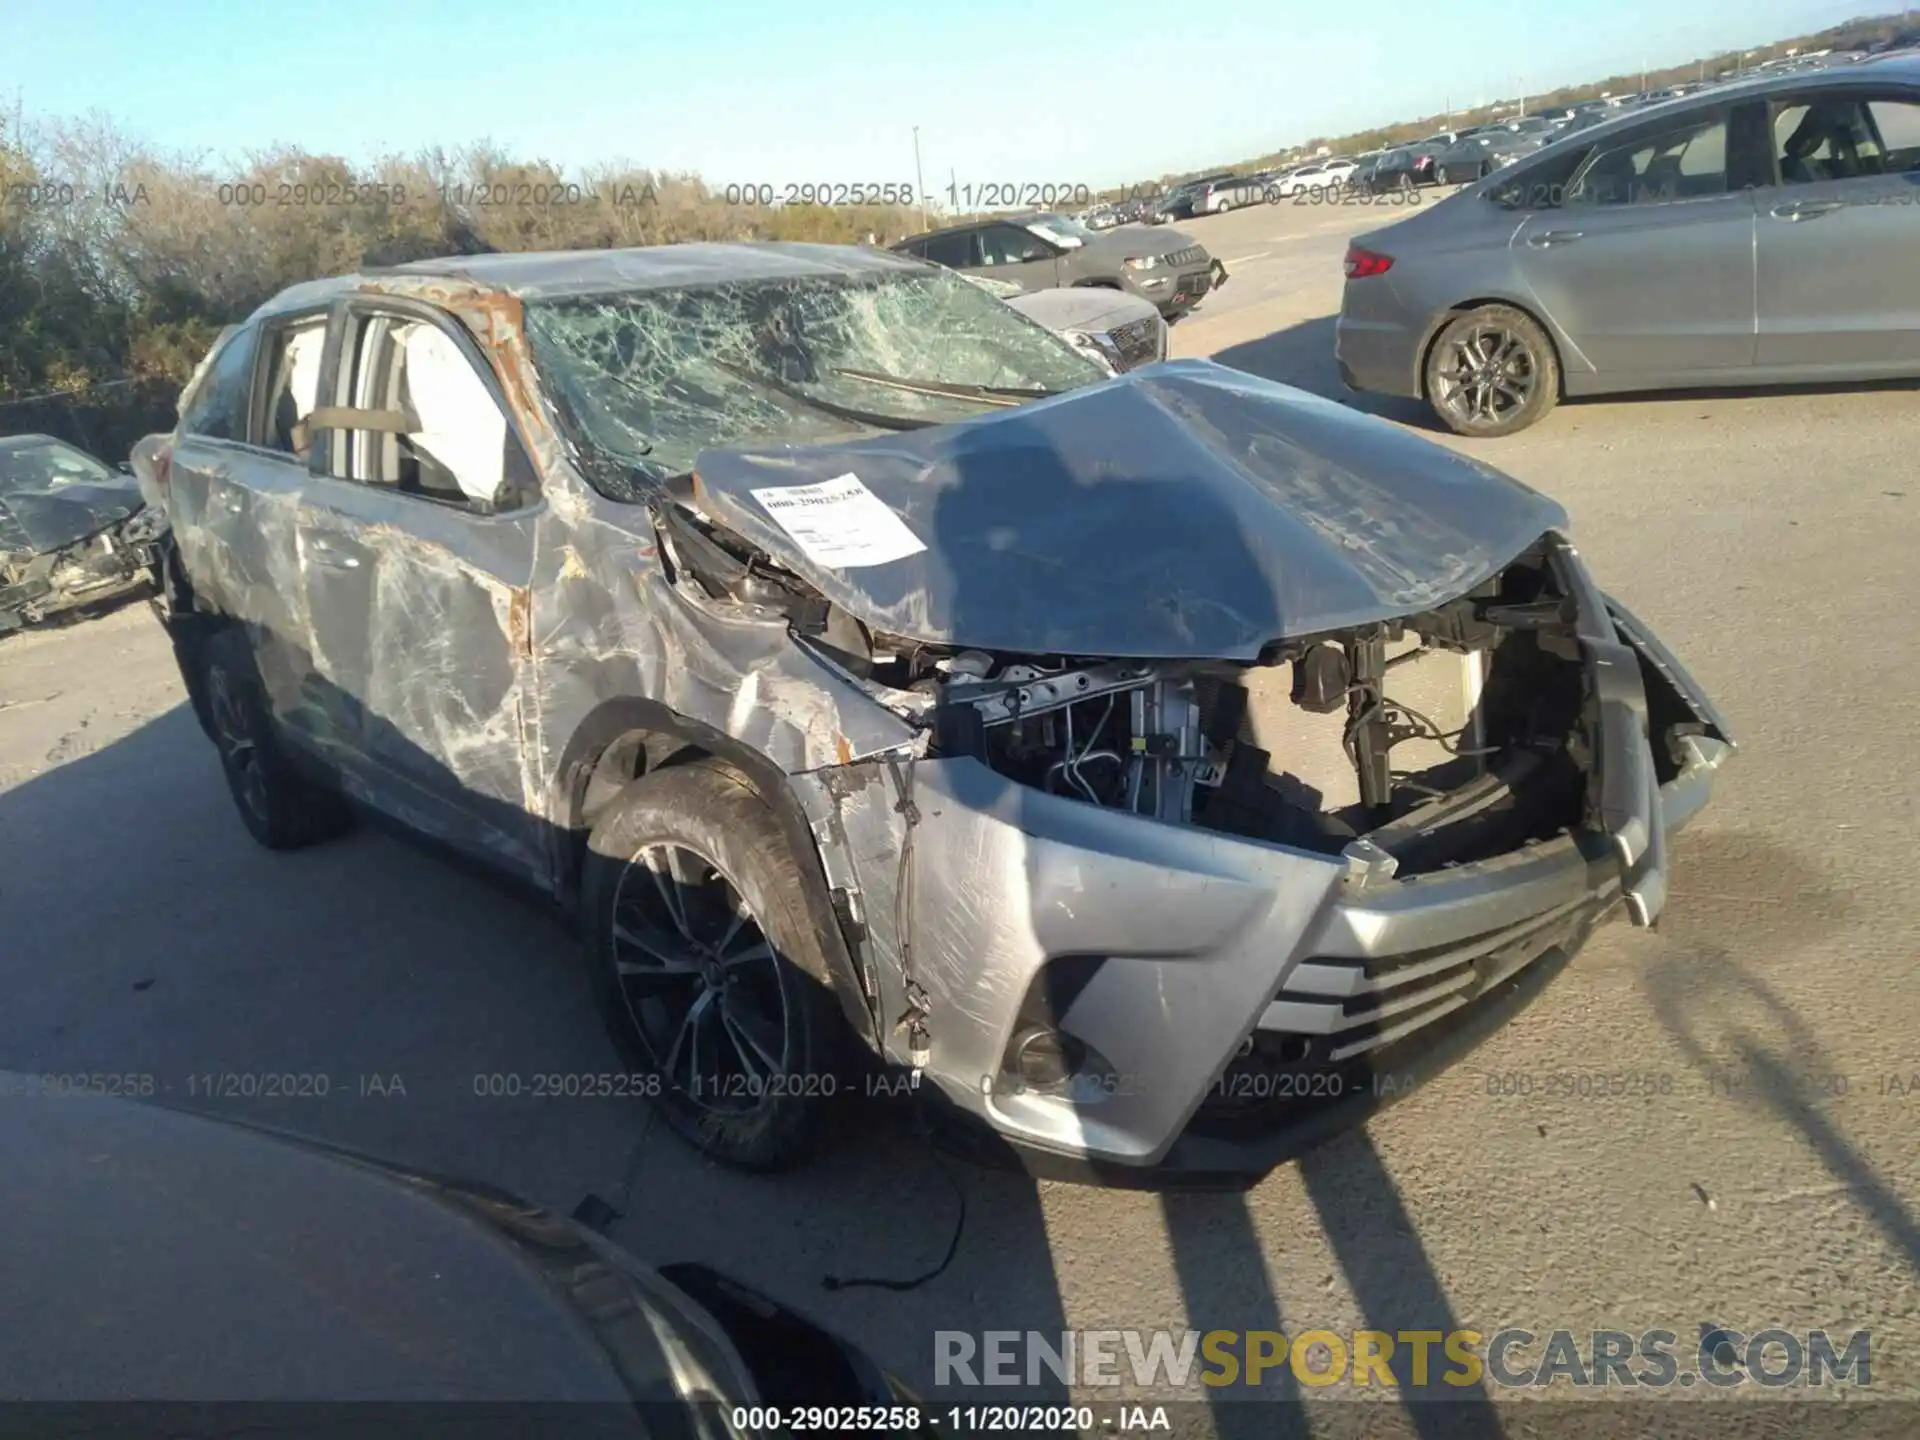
<point>1184,510</point>
<point>35,522</point>
<point>166,1256</point>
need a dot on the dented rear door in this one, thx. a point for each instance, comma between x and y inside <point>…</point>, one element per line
<point>416,555</point>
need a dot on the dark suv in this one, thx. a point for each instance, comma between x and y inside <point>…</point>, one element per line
<point>1044,251</point>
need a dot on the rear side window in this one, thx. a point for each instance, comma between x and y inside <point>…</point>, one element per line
<point>293,384</point>
<point>1539,187</point>
<point>217,409</point>
<point>1685,162</point>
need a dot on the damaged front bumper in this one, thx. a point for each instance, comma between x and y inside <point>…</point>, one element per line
<point>1212,1005</point>
<point>93,572</point>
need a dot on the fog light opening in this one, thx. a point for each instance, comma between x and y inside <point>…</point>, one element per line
<point>1044,1061</point>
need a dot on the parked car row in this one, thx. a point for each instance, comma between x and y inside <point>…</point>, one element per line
<point>1763,231</point>
<point>1447,157</point>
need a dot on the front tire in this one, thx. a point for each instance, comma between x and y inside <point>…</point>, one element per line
<point>707,966</point>
<point>1492,371</point>
<point>280,808</point>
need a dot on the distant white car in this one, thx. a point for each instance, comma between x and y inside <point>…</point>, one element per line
<point>1303,177</point>
<point>1320,175</point>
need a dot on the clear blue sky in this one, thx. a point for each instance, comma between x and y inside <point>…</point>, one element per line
<point>1074,91</point>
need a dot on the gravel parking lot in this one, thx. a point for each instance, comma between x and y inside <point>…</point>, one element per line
<point>1767,1177</point>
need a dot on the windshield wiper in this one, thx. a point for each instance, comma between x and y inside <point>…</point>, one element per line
<point>991,394</point>
<point>825,407</point>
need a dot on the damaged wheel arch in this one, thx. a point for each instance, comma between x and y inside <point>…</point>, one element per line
<point>659,736</point>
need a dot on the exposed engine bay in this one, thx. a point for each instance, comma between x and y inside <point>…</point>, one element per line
<point>37,587</point>
<point>1246,749</point>
<point>1445,737</point>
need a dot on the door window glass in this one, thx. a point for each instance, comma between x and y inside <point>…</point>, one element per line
<point>1841,139</point>
<point>293,385</point>
<point>1686,162</point>
<point>217,408</point>
<point>958,251</point>
<point>437,431</point>
<point>1823,140</point>
<point>1010,245</point>
<point>1898,124</point>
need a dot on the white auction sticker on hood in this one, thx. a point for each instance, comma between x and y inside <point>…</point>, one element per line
<point>840,523</point>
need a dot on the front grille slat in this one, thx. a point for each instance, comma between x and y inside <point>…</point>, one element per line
<point>1330,999</point>
<point>1397,1032</point>
<point>1395,973</point>
<point>1138,341</point>
<point>1341,1017</point>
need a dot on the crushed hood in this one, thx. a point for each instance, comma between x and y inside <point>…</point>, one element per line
<point>36,522</point>
<point>1185,510</point>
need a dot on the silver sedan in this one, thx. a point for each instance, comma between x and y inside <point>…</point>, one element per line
<point>1765,232</point>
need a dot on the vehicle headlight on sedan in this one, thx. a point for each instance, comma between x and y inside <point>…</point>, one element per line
<point>1100,346</point>
<point>1144,262</point>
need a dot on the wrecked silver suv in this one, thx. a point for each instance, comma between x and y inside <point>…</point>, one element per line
<point>1142,763</point>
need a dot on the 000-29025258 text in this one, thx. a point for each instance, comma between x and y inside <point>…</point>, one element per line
<point>766,193</point>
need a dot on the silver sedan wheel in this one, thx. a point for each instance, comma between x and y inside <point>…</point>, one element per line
<point>1486,376</point>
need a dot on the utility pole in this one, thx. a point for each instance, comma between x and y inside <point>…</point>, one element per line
<point>920,180</point>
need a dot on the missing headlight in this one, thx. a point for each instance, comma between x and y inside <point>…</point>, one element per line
<point>1119,735</point>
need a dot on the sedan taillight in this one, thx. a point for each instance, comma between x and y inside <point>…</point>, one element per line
<point>1361,263</point>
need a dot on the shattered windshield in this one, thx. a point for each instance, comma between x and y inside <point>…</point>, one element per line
<point>47,465</point>
<point>646,379</point>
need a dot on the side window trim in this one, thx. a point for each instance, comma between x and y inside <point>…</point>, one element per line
<point>337,369</point>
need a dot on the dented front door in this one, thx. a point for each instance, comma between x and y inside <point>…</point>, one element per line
<point>416,580</point>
